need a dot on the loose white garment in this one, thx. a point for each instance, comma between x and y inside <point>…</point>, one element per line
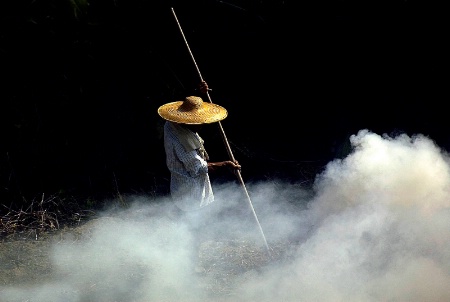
<point>190,186</point>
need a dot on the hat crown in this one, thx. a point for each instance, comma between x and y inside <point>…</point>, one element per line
<point>191,103</point>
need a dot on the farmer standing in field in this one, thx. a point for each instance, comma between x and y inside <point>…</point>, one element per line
<point>186,157</point>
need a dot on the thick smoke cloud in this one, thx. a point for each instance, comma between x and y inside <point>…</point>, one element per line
<point>375,227</point>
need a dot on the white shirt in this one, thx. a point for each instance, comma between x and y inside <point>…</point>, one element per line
<point>190,186</point>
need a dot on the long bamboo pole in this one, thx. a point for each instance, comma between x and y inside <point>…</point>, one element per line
<point>227,145</point>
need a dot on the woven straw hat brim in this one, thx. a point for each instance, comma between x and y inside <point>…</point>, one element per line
<point>206,114</point>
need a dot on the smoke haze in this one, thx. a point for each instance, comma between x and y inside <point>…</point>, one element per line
<point>375,227</point>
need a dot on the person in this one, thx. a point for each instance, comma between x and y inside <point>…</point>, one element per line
<point>186,157</point>
<point>189,164</point>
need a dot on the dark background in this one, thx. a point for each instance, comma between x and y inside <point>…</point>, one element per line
<point>82,80</point>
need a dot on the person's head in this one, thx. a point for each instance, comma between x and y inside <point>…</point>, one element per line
<point>194,127</point>
<point>193,112</point>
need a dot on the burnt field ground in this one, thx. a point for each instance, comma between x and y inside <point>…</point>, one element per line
<point>27,263</point>
<point>29,271</point>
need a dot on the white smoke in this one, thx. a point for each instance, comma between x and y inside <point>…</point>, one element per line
<point>375,228</point>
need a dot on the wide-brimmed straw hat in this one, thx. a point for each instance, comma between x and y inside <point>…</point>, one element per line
<point>192,111</point>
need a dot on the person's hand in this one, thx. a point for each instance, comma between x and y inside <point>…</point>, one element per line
<point>203,87</point>
<point>234,165</point>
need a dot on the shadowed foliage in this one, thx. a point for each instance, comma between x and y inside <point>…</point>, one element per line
<point>81,82</point>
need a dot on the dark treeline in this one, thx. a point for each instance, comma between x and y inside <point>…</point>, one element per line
<point>81,82</point>
<point>78,80</point>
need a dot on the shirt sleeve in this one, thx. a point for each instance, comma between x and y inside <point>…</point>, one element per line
<point>192,161</point>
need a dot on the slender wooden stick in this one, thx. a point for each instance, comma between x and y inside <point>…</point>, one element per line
<point>230,153</point>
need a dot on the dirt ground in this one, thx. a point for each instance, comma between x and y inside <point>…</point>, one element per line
<point>27,261</point>
<point>26,258</point>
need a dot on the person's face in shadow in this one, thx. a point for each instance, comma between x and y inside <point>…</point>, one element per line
<point>194,128</point>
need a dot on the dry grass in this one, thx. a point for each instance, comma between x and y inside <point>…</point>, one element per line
<point>40,218</point>
<point>28,235</point>
<point>226,262</point>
